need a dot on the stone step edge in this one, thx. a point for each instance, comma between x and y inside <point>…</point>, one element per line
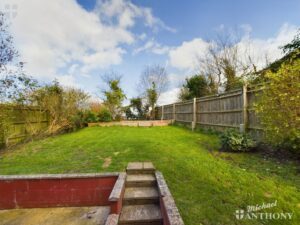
<point>168,206</point>
<point>141,198</point>
<point>136,172</point>
<point>116,196</point>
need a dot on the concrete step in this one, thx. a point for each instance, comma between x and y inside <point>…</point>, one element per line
<point>140,195</point>
<point>112,219</point>
<point>141,215</point>
<point>140,180</point>
<point>140,168</point>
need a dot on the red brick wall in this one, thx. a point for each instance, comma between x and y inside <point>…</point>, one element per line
<point>52,192</point>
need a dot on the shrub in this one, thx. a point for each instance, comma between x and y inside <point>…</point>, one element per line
<point>81,119</point>
<point>104,115</point>
<point>77,121</point>
<point>232,140</point>
<point>90,117</point>
<point>278,105</point>
<point>118,117</point>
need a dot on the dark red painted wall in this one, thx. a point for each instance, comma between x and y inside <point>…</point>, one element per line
<point>164,212</point>
<point>52,192</point>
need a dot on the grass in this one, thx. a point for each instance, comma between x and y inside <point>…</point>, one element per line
<point>208,186</point>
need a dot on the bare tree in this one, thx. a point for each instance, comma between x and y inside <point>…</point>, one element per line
<point>153,82</point>
<point>226,63</point>
<point>154,74</point>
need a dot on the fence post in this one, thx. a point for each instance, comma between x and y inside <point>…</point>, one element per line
<point>194,114</point>
<point>174,112</point>
<point>162,112</point>
<point>243,127</point>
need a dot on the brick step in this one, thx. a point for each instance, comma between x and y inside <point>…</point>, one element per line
<point>140,195</point>
<point>140,168</point>
<point>141,215</point>
<point>140,180</point>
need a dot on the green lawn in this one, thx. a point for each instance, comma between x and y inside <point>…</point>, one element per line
<point>208,186</point>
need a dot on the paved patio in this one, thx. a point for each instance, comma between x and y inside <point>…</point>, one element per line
<point>55,216</point>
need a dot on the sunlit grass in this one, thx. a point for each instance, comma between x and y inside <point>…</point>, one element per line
<point>208,186</point>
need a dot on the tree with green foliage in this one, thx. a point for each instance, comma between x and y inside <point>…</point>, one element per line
<point>128,113</point>
<point>64,106</point>
<point>152,97</point>
<point>194,87</point>
<point>278,106</point>
<point>114,96</point>
<point>136,108</point>
<point>293,45</point>
<point>137,104</point>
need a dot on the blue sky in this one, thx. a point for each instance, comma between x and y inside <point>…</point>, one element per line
<point>76,41</point>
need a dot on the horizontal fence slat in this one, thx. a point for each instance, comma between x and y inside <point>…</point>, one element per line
<point>226,111</point>
<point>22,122</point>
<point>184,121</point>
<point>218,125</point>
<point>220,97</point>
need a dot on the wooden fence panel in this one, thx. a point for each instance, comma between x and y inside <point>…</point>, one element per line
<point>184,112</point>
<point>22,122</point>
<point>221,111</point>
<point>168,112</point>
<point>232,109</point>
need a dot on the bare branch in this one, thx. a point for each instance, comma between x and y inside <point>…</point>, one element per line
<point>154,74</point>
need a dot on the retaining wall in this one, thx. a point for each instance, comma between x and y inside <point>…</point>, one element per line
<point>133,123</point>
<point>39,191</point>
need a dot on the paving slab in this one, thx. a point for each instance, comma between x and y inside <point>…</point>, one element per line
<point>140,177</point>
<point>140,213</point>
<point>135,166</point>
<point>148,166</point>
<point>140,192</point>
<point>55,216</point>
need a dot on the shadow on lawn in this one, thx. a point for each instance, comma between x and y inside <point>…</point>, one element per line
<point>264,162</point>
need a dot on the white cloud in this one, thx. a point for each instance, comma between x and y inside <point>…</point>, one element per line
<point>125,13</point>
<point>152,46</point>
<point>169,97</point>
<point>185,55</point>
<point>68,81</point>
<point>52,36</point>
<point>266,49</point>
<point>93,61</point>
